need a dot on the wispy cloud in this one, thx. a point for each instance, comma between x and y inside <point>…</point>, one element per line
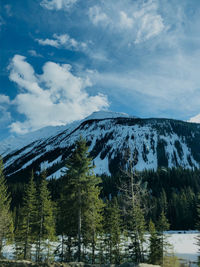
<point>5,115</point>
<point>58,4</point>
<point>8,9</point>
<point>125,21</point>
<point>4,99</point>
<point>168,82</point>
<point>141,20</point>
<point>63,41</point>
<point>149,22</point>
<point>54,98</point>
<point>97,16</point>
<point>34,53</point>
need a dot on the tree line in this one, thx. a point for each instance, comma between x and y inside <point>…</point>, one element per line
<point>84,223</point>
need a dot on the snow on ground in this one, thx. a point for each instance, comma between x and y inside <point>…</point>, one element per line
<point>184,244</point>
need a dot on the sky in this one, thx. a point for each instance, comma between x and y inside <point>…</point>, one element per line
<point>61,60</point>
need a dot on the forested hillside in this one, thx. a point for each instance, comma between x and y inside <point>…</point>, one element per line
<point>83,217</point>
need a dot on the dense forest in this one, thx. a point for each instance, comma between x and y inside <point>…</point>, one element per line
<point>82,217</point>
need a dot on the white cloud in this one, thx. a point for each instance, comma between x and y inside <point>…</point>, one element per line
<point>4,99</point>
<point>97,16</point>
<point>125,21</point>
<point>58,4</point>
<point>63,41</point>
<point>34,53</point>
<point>54,98</point>
<point>150,23</point>
<point>5,116</point>
<point>141,20</point>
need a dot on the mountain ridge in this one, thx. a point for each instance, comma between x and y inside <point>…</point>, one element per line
<point>152,142</point>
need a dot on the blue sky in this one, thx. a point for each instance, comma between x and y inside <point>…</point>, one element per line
<point>60,60</point>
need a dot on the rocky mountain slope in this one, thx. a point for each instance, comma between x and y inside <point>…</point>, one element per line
<point>151,143</point>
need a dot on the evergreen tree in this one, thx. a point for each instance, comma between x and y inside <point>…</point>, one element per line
<point>26,232</point>
<point>66,223</point>
<point>155,246</point>
<point>93,220</point>
<point>80,183</point>
<point>113,230</point>
<point>6,223</point>
<point>137,227</point>
<point>45,220</point>
<point>163,225</point>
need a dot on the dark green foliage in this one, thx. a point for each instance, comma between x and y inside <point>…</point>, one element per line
<point>113,231</point>
<point>172,194</point>
<point>45,221</point>
<point>162,159</point>
<point>162,226</point>
<point>26,230</point>
<point>80,206</point>
<point>155,246</point>
<point>137,230</point>
<point>6,223</point>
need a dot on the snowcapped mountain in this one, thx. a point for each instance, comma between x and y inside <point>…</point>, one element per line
<point>152,143</point>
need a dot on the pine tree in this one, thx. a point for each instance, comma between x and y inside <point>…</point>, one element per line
<point>80,183</point>
<point>26,232</point>
<point>45,220</point>
<point>155,246</point>
<point>113,231</point>
<point>6,222</point>
<point>163,225</point>
<point>137,227</point>
<point>93,220</point>
<point>66,224</point>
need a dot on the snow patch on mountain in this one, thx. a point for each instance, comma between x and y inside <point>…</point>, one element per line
<point>97,115</point>
<point>57,174</point>
<point>14,143</point>
<point>113,138</point>
<point>101,166</point>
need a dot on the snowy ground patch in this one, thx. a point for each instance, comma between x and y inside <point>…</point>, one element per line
<point>184,244</point>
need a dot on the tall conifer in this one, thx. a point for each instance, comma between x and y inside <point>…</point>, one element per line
<point>113,230</point>
<point>80,183</point>
<point>6,222</point>
<point>45,220</point>
<point>26,232</point>
<point>155,246</point>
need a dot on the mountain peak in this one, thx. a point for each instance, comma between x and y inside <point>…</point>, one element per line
<point>104,114</point>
